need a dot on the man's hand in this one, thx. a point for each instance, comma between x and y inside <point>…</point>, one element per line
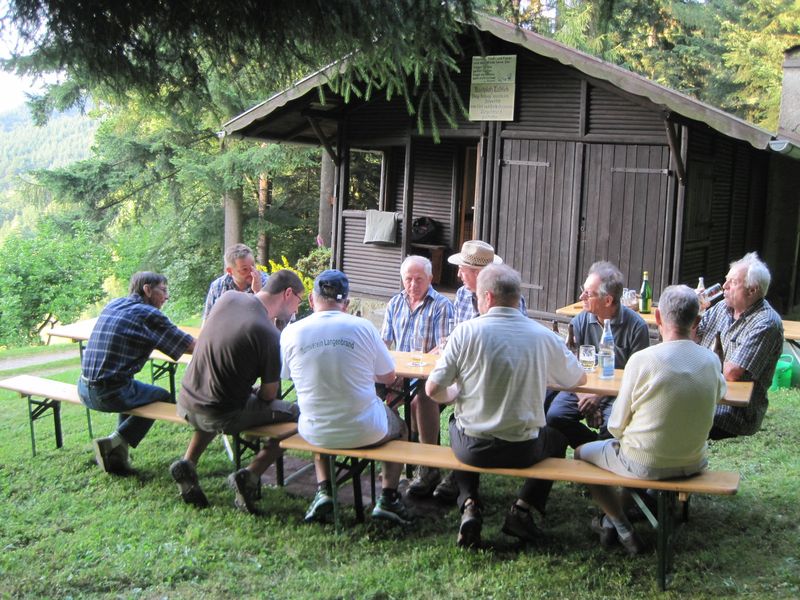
<point>588,403</point>
<point>255,285</point>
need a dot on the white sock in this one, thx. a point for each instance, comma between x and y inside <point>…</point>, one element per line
<point>117,440</point>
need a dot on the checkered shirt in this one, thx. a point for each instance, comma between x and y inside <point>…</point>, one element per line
<point>466,305</point>
<point>125,334</point>
<point>400,324</point>
<point>753,342</point>
<point>224,284</point>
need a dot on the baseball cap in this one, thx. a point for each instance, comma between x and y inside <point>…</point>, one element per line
<point>332,284</point>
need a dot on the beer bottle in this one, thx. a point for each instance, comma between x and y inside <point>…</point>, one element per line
<point>718,349</point>
<point>571,343</point>
<point>645,294</point>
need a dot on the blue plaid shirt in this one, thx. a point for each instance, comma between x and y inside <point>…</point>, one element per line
<point>753,342</point>
<point>400,324</point>
<point>224,284</point>
<point>466,305</point>
<point>125,334</point>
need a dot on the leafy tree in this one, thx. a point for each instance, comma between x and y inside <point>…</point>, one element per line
<point>52,273</point>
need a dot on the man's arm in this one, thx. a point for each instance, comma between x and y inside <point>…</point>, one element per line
<point>268,391</point>
<point>441,394</point>
<point>387,378</point>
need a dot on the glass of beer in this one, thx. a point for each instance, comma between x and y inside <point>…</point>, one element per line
<point>417,351</point>
<point>587,356</point>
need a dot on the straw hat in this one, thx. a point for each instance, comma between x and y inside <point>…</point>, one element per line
<point>475,253</point>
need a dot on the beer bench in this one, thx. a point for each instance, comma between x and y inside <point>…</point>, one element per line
<point>47,394</point>
<point>554,469</point>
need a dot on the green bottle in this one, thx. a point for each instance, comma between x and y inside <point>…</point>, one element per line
<point>645,294</point>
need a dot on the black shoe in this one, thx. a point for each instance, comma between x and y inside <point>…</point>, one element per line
<point>447,490</point>
<point>113,460</point>
<point>245,487</point>
<point>185,475</point>
<point>469,532</point>
<point>633,544</point>
<point>608,535</point>
<point>519,524</point>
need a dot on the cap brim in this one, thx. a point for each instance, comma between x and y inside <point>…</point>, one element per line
<point>458,259</point>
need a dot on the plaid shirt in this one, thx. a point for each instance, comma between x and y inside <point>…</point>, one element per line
<point>224,284</point>
<point>466,305</point>
<point>125,334</point>
<point>753,342</point>
<point>400,324</point>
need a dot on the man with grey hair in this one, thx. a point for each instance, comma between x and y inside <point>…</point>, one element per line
<point>125,334</point>
<point>600,294</point>
<point>752,339</point>
<point>494,370</point>
<point>419,310</point>
<point>661,417</point>
<point>240,275</point>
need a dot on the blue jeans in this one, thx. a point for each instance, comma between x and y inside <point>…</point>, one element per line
<point>118,397</point>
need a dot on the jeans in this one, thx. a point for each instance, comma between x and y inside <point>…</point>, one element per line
<point>480,452</point>
<point>118,397</point>
<point>564,416</point>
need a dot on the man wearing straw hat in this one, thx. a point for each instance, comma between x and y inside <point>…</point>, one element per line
<point>474,256</point>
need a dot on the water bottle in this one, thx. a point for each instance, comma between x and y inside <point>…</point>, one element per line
<point>605,357</point>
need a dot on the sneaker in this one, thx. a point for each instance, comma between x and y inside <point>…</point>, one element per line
<point>245,487</point>
<point>608,535</point>
<point>185,475</point>
<point>391,511</point>
<point>321,506</point>
<point>519,524</point>
<point>469,532</point>
<point>632,543</point>
<point>424,482</point>
<point>447,490</point>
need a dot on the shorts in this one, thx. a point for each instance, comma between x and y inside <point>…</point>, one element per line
<point>607,455</point>
<point>254,413</point>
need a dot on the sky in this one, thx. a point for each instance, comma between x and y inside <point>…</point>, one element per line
<point>12,91</point>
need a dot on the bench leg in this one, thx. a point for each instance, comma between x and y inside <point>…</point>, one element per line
<point>89,423</point>
<point>666,535</point>
<point>279,471</point>
<point>161,369</point>
<point>331,459</point>
<point>38,408</point>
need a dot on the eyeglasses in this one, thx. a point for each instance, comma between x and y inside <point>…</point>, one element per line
<point>161,289</point>
<point>589,294</point>
<point>298,296</point>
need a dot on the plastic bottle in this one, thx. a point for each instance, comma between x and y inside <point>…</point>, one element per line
<point>605,357</point>
<point>645,294</point>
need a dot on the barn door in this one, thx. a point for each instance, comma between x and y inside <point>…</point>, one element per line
<point>624,211</point>
<point>537,218</point>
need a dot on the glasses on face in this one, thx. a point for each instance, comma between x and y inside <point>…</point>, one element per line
<point>296,295</point>
<point>161,289</point>
<point>589,293</point>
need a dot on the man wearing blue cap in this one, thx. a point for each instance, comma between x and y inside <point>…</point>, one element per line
<point>334,360</point>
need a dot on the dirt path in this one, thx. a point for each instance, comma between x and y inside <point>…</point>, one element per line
<point>7,364</point>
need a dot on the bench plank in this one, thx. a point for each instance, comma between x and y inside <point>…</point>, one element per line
<point>554,469</point>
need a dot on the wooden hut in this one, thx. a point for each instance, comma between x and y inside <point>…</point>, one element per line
<point>595,163</point>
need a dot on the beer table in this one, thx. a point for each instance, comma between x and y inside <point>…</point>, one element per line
<point>738,393</point>
<point>161,365</point>
<point>571,310</point>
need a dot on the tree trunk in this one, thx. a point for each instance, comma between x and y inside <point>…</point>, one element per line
<point>232,200</point>
<point>262,250</point>
<point>326,196</point>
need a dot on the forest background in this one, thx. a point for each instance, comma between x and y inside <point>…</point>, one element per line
<point>111,174</point>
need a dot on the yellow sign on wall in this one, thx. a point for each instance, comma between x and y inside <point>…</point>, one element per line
<point>491,93</point>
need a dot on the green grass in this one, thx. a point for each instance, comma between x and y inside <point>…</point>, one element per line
<point>68,530</point>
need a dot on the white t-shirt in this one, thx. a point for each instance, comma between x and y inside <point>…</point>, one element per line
<point>503,361</point>
<point>333,358</point>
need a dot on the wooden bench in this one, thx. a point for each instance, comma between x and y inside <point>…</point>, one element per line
<point>46,394</point>
<point>553,469</point>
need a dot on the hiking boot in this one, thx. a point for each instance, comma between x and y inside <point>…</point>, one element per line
<point>185,475</point>
<point>424,482</point>
<point>519,524</point>
<point>245,487</point>
<point>321,506</point>
<point>447,490</point>
<point>608,535</point>
<point>632,543</point>
<point>391,511</point>
<point>112,459</point>
<point>469,532</point>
